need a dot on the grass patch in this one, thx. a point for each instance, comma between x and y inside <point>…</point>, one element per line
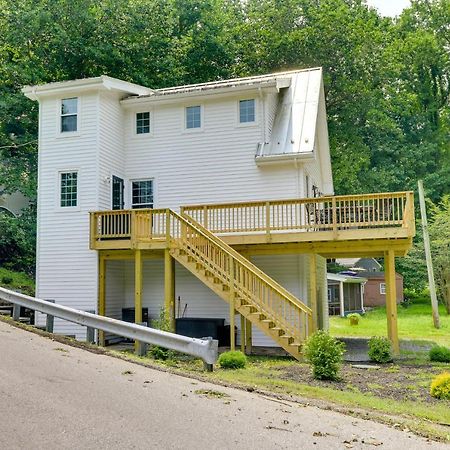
<point>16,281</point>
<point>209,393</point>
<point>414,323</point>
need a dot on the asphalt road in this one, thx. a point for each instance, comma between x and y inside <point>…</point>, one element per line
<point>54,396</point>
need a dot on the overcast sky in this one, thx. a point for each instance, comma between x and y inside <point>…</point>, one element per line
<point>389,7</point>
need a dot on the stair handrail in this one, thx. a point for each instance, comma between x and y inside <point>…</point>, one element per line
<point>244,261</point>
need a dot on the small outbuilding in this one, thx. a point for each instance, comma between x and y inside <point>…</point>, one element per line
<point>345,294</point>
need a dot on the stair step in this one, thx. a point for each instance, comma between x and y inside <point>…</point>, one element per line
<point>286,336</point>
<point>257,314</point>
<point>267,321</point>
<point>225,287</point>
<point>276,328</point>
<point>295,344</point>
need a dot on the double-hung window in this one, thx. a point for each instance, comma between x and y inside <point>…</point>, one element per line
<point>193,117</point>
<point>383,288</point>
<point>142,194</point>
<point>142,123</point>
<point>69,115</point>
<point>68,189</point>
<point>247,111</point>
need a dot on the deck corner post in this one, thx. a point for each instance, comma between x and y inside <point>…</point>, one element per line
<point>137,292</point>
<point>232,305</point>
<point>248,337</point>
<point>334,217</point>
<point>313,289</point>
<point>391,300</point>
<point>169,288</point>
<point>101,294</point>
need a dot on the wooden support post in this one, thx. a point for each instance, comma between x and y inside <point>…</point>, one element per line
<point>242,334</point>
<point>232,308</point>
<point>137,291</point>
<point>101,295</point>
<point>313,289</point>
<point>169,288</point>
<point>391,300</point>
<point>248,337</point>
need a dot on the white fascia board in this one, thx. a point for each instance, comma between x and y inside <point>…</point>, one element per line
<point>206,93</point>
<point>88,84</point>
<point>287,157</point>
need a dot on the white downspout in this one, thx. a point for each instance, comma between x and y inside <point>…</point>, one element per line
<point>341,297</point>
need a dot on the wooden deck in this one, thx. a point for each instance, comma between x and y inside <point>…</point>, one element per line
<point>353,225</point>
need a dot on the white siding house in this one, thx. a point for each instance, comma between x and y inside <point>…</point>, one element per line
<point>249,139</point>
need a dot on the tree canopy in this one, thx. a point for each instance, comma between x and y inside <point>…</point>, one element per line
<point>386,80</point>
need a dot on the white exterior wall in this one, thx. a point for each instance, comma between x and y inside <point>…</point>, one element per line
<point>212,165</point>
<point>66,268</point>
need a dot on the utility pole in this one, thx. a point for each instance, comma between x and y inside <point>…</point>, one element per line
<point>426,243</point>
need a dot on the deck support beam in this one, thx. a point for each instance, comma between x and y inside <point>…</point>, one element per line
<point>248,337</point>
<point>232,305</point>
<point>169,288</point>
<point>313,289</point>
<point>101,294</point>
<point>243,334</point>
<point>137,291</point>
<point>391,300</point>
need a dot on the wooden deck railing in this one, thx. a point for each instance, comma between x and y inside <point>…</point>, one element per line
<point>308,214</point>
<point>337,213</point>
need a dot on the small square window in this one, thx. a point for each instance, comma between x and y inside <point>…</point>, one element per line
<point>193,117</point>
<point>142,123</point>
<point>69,114</point>
<point>68,189</point>
<point>246,111</point>
<point>142,194</point>
<point>383,288</point>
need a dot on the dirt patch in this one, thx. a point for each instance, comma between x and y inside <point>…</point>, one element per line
<point>390,381</point>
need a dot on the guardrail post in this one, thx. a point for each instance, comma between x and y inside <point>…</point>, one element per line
<point>16,312</point>
<point>142,347</point>
<point>93,230</point>
<point>90,332</point>
<point>205,217</point>
<point>133,229</point>
<point>50,320</point>
<point>168,226</point>
<point>208,367</point>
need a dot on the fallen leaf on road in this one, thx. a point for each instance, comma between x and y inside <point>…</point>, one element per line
<point>127,372</point>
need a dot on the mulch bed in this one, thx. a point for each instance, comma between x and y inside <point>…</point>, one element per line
<point>392,381</point>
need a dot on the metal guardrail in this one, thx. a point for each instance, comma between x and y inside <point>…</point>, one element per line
<point>205,349</point>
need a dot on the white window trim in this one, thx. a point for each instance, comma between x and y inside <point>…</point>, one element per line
<point>130,194</point>
<point>64,134</point>
<point>255,123</point>
<point>58,192</point>
<point>383,288</point>
<point>134,132</point>
<point>202,118</point>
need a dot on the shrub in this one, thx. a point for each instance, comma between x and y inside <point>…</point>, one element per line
<point>324,353</point>
<point>232,360</point>
<point>440,386</point>
<point>162,323</point>
<point>7,280</point>
<point>440,354</point>
<point>354,318</point>
<point>380,349</point>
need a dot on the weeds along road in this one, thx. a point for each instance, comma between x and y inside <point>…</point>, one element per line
<point>59,397</point>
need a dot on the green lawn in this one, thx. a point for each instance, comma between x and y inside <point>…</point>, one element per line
<point>16,281</point>
<point>414,323</point>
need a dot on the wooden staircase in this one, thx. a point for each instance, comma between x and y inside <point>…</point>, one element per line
<point>256,296</point>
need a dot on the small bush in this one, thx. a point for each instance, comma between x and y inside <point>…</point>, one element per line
<point>162,323</point>
<point>232,360</point>
<point>380,349</point>
<point>324,353</point>
<point>440,386</point>
<point>354,318</point>
<point>440,354</point>
<point>7,280</point>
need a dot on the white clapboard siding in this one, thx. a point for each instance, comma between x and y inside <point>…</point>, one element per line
<point>66,268</point>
